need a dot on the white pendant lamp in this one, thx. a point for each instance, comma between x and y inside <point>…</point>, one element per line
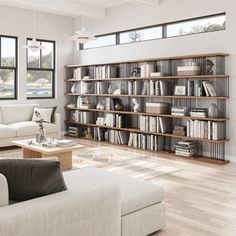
<point>34,45</point>
<point>83,35</point>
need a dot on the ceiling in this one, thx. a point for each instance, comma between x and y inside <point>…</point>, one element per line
<point>74,8</point>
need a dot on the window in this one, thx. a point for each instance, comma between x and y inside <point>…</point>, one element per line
<point>203,24</point>
<point>8,67</point>
<point>101,41</point>
<point>206,24</point>
<point>41,71</point>
<point>141,35</point>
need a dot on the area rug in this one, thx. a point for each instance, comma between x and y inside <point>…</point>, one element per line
<point>134,164</point>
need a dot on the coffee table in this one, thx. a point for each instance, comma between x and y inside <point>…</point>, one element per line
<point>64,154</point>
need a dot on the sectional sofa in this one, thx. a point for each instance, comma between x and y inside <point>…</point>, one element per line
<point>97,203</point>
<point>15,123</point>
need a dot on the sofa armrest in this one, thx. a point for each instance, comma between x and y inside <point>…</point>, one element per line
<point>57,121</point>
<point>4,195</point>
<point>93,211</point>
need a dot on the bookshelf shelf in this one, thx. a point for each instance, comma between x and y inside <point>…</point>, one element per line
<point>218,54</point>
<point>154,78</point>
<point>133,130</point>
<point>208,78</point>
<point>147,96</point>
<point>151,114</point>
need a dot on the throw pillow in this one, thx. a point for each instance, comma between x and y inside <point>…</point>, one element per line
<point>47,113</point>
<point>28,179</point>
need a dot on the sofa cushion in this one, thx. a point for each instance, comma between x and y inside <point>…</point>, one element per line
<point>135,194</point>
<point>4,197</point>
<point>29,128</point>
<point>16,113</point>
<point>7,131</point>
<point>29,178</point>
<point>47,113</point>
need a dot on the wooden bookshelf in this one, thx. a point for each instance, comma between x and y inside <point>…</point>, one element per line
<point>151,114</point>
<point>133,130</point>
<point>154,78</point>
<point>147,96</point>
<point>219,76</point>
<point>152,59</point>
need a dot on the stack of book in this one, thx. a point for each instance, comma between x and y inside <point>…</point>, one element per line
<point>73,131</point>
<point>179,130</point>
<point>185,148</point>
<point>118,137</point>
<point>147,142</point>
<point>198,112</point>
<point>154,124</point>
<point>205,129</point>
<point>79,73</point>
<point>105,72</point>
<point>179,111</point>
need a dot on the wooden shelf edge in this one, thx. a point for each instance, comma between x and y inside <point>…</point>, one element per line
<point>148,96</point>
<point>153,59</point>
<point>165,154</point>
<point>151,114</point>
<point>153,78</point>
<point>147,132</point>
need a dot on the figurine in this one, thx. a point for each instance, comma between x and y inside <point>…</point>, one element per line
<point>88,133</point>
<point>209,67</point>
<point>109,89</point>
<point>100,106</point>
<point>136,105</point>
<point>213,110</point>
<point>136,72</point>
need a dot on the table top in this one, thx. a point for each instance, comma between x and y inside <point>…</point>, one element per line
<point>46,150</point>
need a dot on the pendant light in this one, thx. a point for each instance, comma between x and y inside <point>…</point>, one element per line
<point>83,35</point>
<point>34,45</point>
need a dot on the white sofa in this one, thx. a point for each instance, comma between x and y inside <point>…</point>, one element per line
<point>97,203</point>
<point>15,123</point>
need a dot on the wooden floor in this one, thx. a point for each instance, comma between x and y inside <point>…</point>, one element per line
<point>200,198</point>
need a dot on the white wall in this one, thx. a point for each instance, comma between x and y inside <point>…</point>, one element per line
<point>135,15</point>
<point>18,22</point>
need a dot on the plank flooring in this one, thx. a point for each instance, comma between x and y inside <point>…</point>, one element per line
<point>200,197</point>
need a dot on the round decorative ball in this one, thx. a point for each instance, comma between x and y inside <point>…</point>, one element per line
<point>119,107</point>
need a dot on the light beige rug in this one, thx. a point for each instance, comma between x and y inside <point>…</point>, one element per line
<point>134,164</point>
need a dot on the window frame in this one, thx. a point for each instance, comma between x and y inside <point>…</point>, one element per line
<point>53,70</point>
<point>14,68</point>
<point>164,30</point>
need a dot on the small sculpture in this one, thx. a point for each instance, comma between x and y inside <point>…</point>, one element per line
<point>136,72</point>
<point>209,67</point>
<point>109,89</point>
<point>88,133</point>
<point>213,111</point>
<point>100,106</point>
<point>117,92</point>
<point>73,88</point>
<point>136,105</point>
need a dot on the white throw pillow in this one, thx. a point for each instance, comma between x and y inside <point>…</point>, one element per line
<point>46,114</point>
<point>4,195</point>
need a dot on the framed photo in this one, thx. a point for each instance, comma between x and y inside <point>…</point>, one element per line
<point>180,90</point>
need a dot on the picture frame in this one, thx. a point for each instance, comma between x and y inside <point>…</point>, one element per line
<point>180,90</point>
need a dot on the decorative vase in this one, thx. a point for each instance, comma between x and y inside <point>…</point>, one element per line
<point>119,107</point>
<point>213,110</point>
<point>41,136</point>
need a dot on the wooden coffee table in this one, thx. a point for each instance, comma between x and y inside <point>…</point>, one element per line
<point>64,154</point>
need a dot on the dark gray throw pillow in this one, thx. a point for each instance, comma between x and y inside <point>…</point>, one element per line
<point>28,179</point>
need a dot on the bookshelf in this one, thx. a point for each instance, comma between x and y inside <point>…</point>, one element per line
<point>208,144</point>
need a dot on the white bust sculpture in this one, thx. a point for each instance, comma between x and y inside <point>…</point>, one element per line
<point>136,105</point>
